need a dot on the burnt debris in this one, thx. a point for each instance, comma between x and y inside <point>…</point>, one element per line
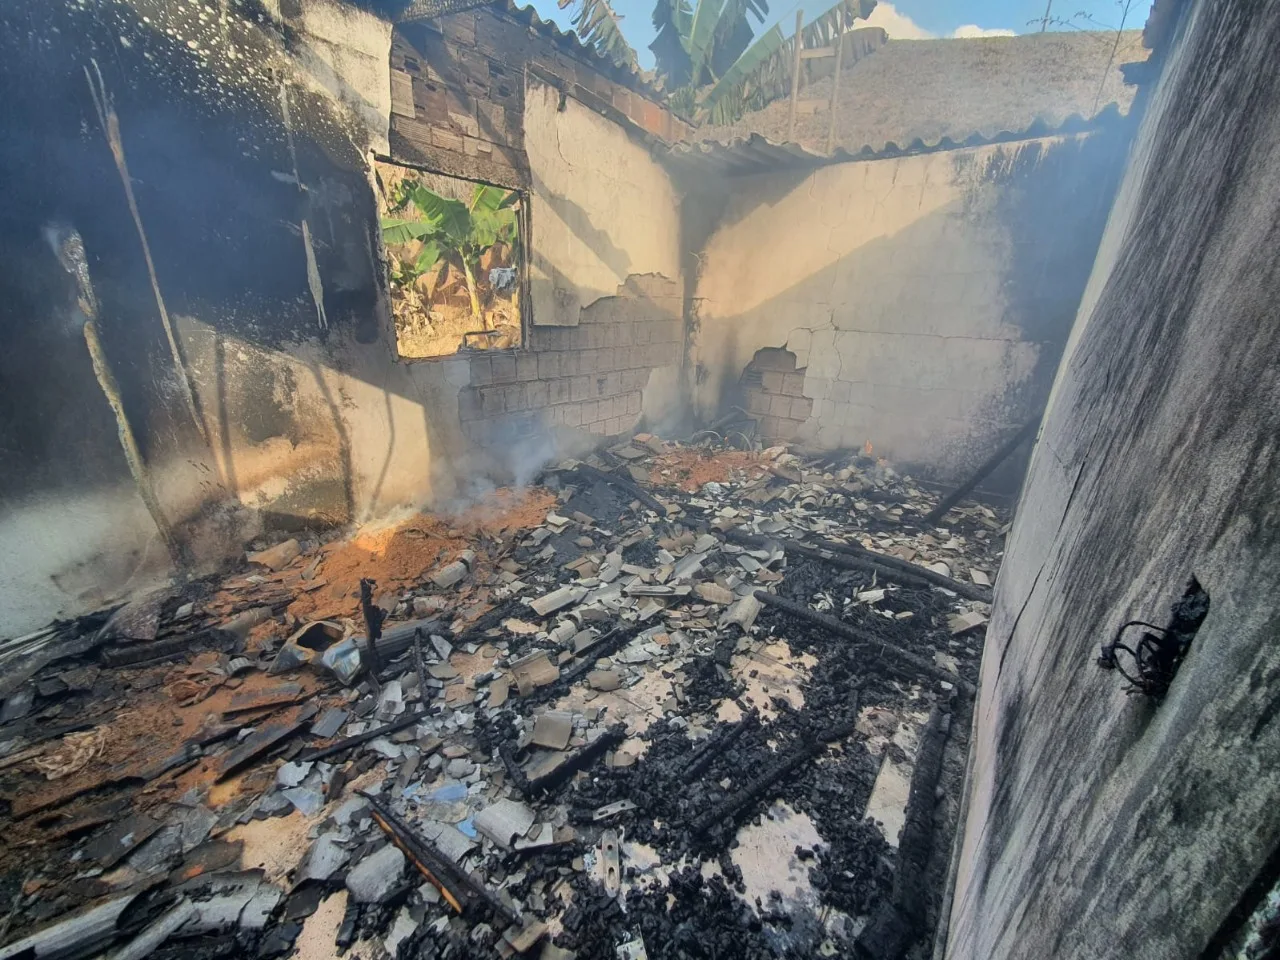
<point>592,707</point>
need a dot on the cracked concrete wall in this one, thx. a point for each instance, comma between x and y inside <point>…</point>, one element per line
<point>602,208</point>
<point>926,298</point>
<point>1101,824</point>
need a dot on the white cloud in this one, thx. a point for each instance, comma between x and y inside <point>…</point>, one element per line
<point>973,30</point>
<point>897,25</point>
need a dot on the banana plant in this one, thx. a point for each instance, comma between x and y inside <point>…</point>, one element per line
<point>763,72</point>
<point>711,65</point>
<point>449,228</point>
<point>598,25</point>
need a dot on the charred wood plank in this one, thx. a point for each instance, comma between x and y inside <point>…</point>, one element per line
<point>457,885</point>
<point>919,665</point>
<point>702,757</point>
<point>624,483</point>
<point>854,557</point>
<point>900,921</point>
<point>266,737</point>
<point>1027,431</point>
<point>580,760</point>
<point>320,753</point>
<point>970,591</point>
<point>752,792</point>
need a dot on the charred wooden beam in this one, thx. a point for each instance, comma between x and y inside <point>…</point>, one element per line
<point>1027,431</point>
<point>702,757</point>
<point>900,920</point>
<point>584,758</point>
<point>752,792</point>
<point>624,483</point>
<point>853,557</point>
<point>970,591</point>
<point>918,665</point>
<point>342,745</point>
<point>459,888</point>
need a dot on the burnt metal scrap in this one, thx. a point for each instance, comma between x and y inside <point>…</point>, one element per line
<point>665,648</point>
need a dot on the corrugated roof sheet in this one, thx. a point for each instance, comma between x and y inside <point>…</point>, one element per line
<point>755,153</point>
<point>913,95</point>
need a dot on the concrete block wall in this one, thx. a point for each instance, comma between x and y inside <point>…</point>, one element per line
<point>926,298</point>
<point>574,383</point>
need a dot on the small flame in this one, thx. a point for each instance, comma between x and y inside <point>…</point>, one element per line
<point>866,448</point>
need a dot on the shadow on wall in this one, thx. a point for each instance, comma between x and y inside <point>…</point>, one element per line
<point>926,300</point>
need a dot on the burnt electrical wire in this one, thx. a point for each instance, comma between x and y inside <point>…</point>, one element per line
<point>1159,652</point>
<point>1155,659</point>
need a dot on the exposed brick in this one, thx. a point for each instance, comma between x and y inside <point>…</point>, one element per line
<point>446,139</point>
<point>623,335</point>
<point>793,384</point>
<point>526,367</point>
<point>588,361</point>
<point>596,428</point>
<point>504,369</point>
<point>466,122</point>
<point>570,363</point>
<point>801,408</point>
<point>771,380</point>
<point>634,403</point>
<point>539,394</point>
<point>468,404</point>
<point>642,332</point>
<point>757,402</point>
<point>774,358</point>
<point>779,405</point>
<point>591,411</point>
<point>572,414</point>
<point>580,388</point>
<point>481,371</point>
<point>460,27</point>
<point>613,426</point>
<point>555,416</point>
<point>606,358</point>
<point>548,365</point>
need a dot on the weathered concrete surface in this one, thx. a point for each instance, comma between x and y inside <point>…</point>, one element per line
<point>247,139</point>
<point>602,208</point>
<point>926,298</point>
<point>1100,825</point>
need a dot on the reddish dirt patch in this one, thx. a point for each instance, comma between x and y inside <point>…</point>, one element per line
<point>403,555</point>
<point>151,726</point>
<point>690,468</point>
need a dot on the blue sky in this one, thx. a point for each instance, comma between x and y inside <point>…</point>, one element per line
<point>904,19</point>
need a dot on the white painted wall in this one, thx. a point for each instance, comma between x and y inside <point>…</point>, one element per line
<point>602,208</point>
<point>887,279</point>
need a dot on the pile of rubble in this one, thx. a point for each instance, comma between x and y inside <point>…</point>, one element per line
<point>634,711</point>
